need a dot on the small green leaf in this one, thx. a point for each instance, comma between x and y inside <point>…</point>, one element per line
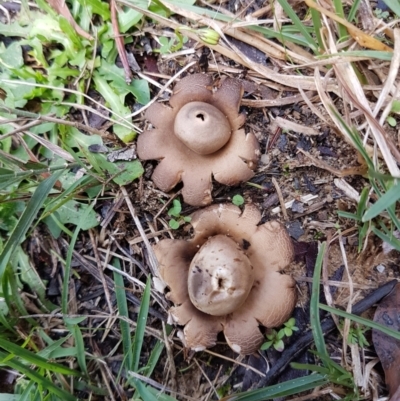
<point>174,224</point>
<point>238,200</point>
<point>266,345</point>
<point>73,212</point>
<point>127,171</point>
<point>279,346</point>
<point>115,75</point>
<point>288,331</point>
<point>395,106</point>
<point>271,334</point>
<point>98,7</point>
<point>12,57</point>
<point>8,214</point>
<point>391,121</point>
<point>127,19</point>
<point>176,208</point>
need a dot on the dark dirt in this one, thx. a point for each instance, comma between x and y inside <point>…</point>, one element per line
<point>308,222</point>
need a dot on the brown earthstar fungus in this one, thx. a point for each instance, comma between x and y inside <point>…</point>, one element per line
<point>228,277</point>
<point>199,136</point>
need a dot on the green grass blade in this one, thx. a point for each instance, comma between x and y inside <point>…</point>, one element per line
<point>348,215</point>
<point>153,359</point>
<point>384,202</point>
<point>155,355</point>
<point>314,368</point>
<point>269,33</point>
<point>26,394</point>
<point>144,392</point>
<point>394,5</point>
<point>68,260</point>
<point>362,204</point>
<point>67,272</point>
<point>353,10</point>
<point>27,217</point>
<point>80,347</point>
<point>280,390</point>
<point>54,346</point>
<point>123,312</point>
<point>36,377</point>
<point>380,55</point>
<point>314,309</point>
<point>141,326</point>
<point>11,294</point>
<point>390,239</point>
<point>34,359</point>
<point>355,137</point>
<point>316,18</point>
<point>160,396</point>
<point>339,11</point>
<point>390,210</point>
<point>66,195</point>
<point>299,25</point>
<point>361,320</point>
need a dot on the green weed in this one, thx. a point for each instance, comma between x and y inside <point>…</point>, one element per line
<point>176,218</point>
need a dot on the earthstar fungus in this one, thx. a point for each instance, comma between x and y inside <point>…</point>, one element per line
<point>199,136</point>
<point>228,277</point>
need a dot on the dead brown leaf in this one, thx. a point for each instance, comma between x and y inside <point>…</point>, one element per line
<point>388,348</point>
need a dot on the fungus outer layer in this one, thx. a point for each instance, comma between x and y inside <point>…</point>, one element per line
<point>272,295</point>
<point>207,143</point>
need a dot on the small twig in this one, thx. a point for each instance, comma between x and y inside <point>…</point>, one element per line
<point>361,170</point>
<point>347,322</point>
<point>163,89</point>
<point>19,129</point>
<point>206,377</point>
<point>325,276</point>
<point>281,101</point>
<point>332,283</point>
<point>152,257</point>
<point>105,373</point>
<point>208,396</point>
<point>121,120</point>
<point>170,356</point>
<point>40,118</point>
<point>235,362</point>
<point>280,196</point>
<point>159,386</point>
<point>100,269</point>
<point>119,40</point>
<point>111,285</point>
<point>313,395</point>
<point>6,13</point>
<point>271,143</point>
